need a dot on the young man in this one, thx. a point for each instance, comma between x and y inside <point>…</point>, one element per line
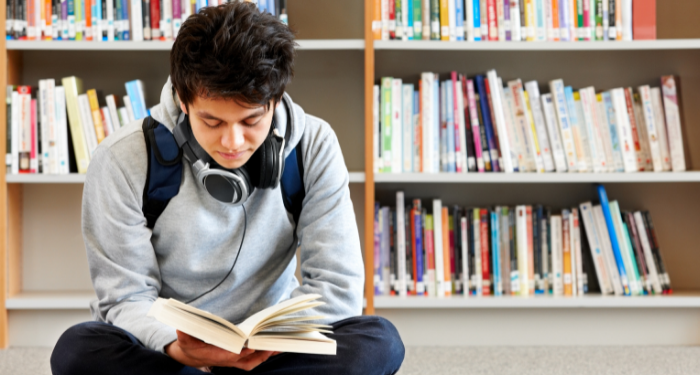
<point>225,98</point>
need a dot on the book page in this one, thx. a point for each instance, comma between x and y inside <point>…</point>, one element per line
<point>273,311</point>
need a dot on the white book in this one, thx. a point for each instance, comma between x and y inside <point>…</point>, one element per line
<point>468,26</point>
<point>521,245</point>
<point>437,237</point>
<point>123,116</point>
<point>650,125</point>
<point>583,134</point>
<point>276,328</point>
<point>594,243</point>
<point>86,122</point>
<point>642,131</point>
<point>376,100</point>
<point>557,256</point>
<point>549,20</point>
<point>626,10</point>
<point>661,129</point>
<point>604,132</point>
<point>590,122</point>
<point>673,123</point>
<point>572,250</point>
<point>564,30</point>
<point>25,131</point>
<point>384,6</point>
<point>465,256</point>
<point>608,108</point>
<point>648,256</point>
<point>16,101</point>
<point>112,105</point>
<point>401,244</point>
<point>407,125</point>
<point>540,125</point>
<point>515,26</point>
<point>506,153</point>
<point>385,257</point>
<point>629,155</point>
<point>50,144</point>
<point>540,21</point>
<point>610,261</point>
<point>560,107</point>
<point>484,21</point>
<point>42,127</point>
<point>500,21</point>
<point>427,121</point>
<point>129,110</point>
<point>61,131</point>
<point>465,161</point>
<point>515,144</point>
<point>167,26</point>
<point>550,118</point>
<point>531,134</point>
<point>427,25</point>
<point>606,18</point>
<point>110,20</point>
<point>136,21</point>
<point>522,127</point>
<point>576,251</point>
<point>108,120</point>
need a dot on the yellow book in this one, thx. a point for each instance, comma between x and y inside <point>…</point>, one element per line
<point>73,87</point>
<point>566,259</point>
<point>96,115</point>
<point>446,251</point>
<point>377,19</point>
<point>535,143</point>
<point>530,22</point>
<point>445,20</point>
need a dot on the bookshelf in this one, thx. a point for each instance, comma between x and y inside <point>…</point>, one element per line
<point>44,280</point>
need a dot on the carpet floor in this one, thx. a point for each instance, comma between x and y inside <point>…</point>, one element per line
<point>479,361</point>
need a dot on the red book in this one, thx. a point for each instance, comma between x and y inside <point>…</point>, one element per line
<point>485,270</point>
<point>392,19</point>
<point>33,162</point>
<point>430,257</point>
<point>155,19</point>
<point>493,19</point>
<point>635,134</point>
<point>644,19</point>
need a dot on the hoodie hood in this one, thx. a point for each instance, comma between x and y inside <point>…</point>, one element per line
<point>289,117</point>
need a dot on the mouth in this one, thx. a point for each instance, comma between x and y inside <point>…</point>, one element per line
<point>231,156</point>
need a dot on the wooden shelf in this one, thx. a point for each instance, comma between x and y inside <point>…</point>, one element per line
<point>308,44</point>
<point>518,178</point>
<point>50,301</point>
<point>436,45</point>
<point>680,300</point>
<point>75,178</point>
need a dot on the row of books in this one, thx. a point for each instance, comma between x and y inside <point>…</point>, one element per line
<point>514,20</point>
<point>110,20</point>
<point>466,125</point>
<point>41,119</point>
<point>523,250</point>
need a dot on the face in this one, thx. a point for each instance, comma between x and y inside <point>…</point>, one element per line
<point>229,131</point>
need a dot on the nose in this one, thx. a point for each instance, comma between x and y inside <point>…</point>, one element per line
<point>233,138</point>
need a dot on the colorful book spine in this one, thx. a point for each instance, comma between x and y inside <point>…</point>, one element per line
<point>560,106</point>
<point>626,250</point>
<point>495,253</point>
<point>651,127</point>
<point>459,19</point>
<point>474,120</point>
<point>386,124</point>
<point>477,21</point>
<point>506,155</point>
<point>448,254</point>
<point>596,248</point>
<point>581,156</point>
<point>488,124</point>
<point>407,136</point>
<point>485,252</point>
<point>617,251</point>
<point>378,225</point>
<point>418,248</point>
<point>672,110</point>
<point>438,249</point>
<point>492,20</point>
<point>522,250</point>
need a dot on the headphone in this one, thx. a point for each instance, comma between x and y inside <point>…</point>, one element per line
<point>233,186</point>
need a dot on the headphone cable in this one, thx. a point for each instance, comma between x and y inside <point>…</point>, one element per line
<point>245,226</point>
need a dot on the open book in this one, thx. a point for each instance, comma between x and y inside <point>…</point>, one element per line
<point>274,328</point>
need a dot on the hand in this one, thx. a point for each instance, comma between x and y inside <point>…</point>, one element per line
<point>195,353</point>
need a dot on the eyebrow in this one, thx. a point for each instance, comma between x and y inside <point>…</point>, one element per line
<point>209,116</point>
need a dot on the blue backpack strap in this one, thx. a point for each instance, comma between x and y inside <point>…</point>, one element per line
<point>292,183</point>
<point>164,174</point>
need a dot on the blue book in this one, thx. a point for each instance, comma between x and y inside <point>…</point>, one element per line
<point>495,254</point>
<point>138,104</point>
<point>603,196</point>
<point>262,5</point>
<point>477,20</point>
<point>450,119</point>
<point>271,7</point>
<point>436,124</point>
<point>71,18</point>
<point>417,221</point>
<point>459,19</point>
<point>618,163</point>
<point>125,20</point>
<point>488,124</point>
<point>408,28</point>
<point>537,214</point>
<point>416,133</point>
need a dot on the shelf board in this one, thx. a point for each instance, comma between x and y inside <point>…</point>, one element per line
<point>75,178</point>
<point>50,300</point>
<point>518,178</point>
<point>680,300</point>
<point>308,44</point>
<point>436,45</point>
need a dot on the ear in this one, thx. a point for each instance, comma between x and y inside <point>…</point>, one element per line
<point>182,105</point>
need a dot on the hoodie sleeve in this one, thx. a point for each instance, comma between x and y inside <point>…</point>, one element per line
<point>331,258</point>
<point>123,264</point>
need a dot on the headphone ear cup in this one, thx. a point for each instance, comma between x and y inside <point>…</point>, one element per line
<point>245,176</point>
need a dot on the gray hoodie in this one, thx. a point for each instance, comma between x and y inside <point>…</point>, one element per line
<point>196,239</point>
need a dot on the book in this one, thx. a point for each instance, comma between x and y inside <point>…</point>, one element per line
<point>275,328</point>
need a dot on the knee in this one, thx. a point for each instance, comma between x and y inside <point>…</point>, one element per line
<point>69,354</point>
<point>380,351</point>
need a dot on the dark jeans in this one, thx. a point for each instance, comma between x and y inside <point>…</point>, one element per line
<point>366,345</point>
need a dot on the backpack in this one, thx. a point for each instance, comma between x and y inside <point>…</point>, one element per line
<point>164,174</point>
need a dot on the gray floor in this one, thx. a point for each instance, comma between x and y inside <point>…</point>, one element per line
<point>480,360</point>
